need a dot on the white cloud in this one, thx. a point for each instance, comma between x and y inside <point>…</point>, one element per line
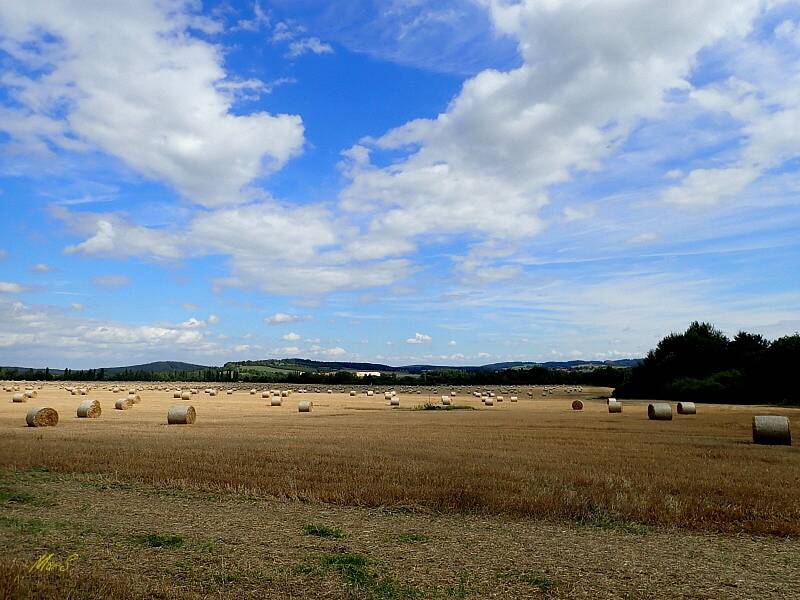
<point>42,268</point>
<point>419,338</point>
<point>290,337</point>
<point>193,323</point>
<point>334,352</point>
<point>111,280</point>
<point>282,318</point>
<point>106,85</point>
<point>7,287</point>
<point>212,319</point>
<point>77,306</point>
<point>451,343</point>
<point>311,44</point>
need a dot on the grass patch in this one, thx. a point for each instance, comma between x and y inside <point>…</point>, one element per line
<point>534,580</point>
<point>154,540</point>
<point>24,525</point>
<point>355,572</point>
<point>11,495</point>
<point>323,531</point>
<point>412,537</point>
<point>613,522</point>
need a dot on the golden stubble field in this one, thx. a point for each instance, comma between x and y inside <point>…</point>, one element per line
<point>574,480</point>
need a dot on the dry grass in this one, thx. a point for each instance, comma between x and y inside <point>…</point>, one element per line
<point>536,457</point>
<point>190,544</point>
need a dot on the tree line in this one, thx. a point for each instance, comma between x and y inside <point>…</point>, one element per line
<point>705,365</point>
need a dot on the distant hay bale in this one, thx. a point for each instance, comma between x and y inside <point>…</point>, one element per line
<point>330,391</point>
<point>488,401</point>
<point>615,407</point>
<point>181,414</point>
<point>772,429</point>
<point>132,392</point>
<point>212,392</point>
<point>499,398</point>
<point>41,417</point>
<point>185,395</point>
<point>513,398</point>
<point>305,406</point>
<point>19,398</point>
<point>284,393</point>
<point>394,401</point>
<point>687,408</point>
<point>134,398</point>
<point>610,400</point>
<point>89,409</point>
<point>446,400</point>
<point>352,393</point>
<point>229,392</point>
<point>659,411</point>
<point>178,394</point>
<point>123,403</point>
<point>265,394</point>
<point>84,391</point>
<point>577,405</point>
<point>387,395</point>
<point>276,401</point>
<point>29,393</point>
<point>370,393</point>
<point>253,392</point>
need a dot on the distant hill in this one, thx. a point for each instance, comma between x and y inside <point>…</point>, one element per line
<point>164,366</point>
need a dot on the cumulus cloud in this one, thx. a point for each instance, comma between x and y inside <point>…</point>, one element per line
<point>311,44</point>
<point>419,338</point>
<point>102,82</point>
<point>283,318</point>
<point>290,337</point>
<point>111,280</point>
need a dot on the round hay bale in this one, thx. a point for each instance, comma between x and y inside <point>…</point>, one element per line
<point>284,393</point>
<point>181,414</point>
<point>446,400</point>
<point>276,401</point>
<point>394,401</point>
<point>185,395</point>
<point>513,398</point>
<point>687,408</point>
<point>177,394</point>
<point>615,407</point>
<point>212,392</point>
<point>330,391</point>
<point>123,403</point>
<point>659,411</point>
<point>132,392</point>
<point>252,392</point>
<point>305,406</point>
<point>352,393</point>
<point>265,394</point>
<point>488,401</point>
<point>134,398</point>
<point>41,417</point>
<point>89,409</point>
<point>610,400</point>
<point>370,393</point>
<point>229,392</point>
<point>19,398</point>
<point>30,393</point>
<point>387,395</point>
<point>499,398</point>
<point>772,430</point>
<point>84,391</point>
<point>577,405</point>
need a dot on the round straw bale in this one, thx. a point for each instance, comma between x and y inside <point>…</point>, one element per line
<point>330,391</point>
<point>185,395</point>
<point>30,393</point>
<point>284,393</point>
<point>577,405</point>
<point>181,414</point>
<point>659,411</point>
<point>513,398</point>
<point>83,391</point>
<point>177,394</point>
<point>610,400</point>
<point>394,401</point>
<point>19,398</point>
<point>123,403</point>
<point>499,398</point>
<point>41,417</point>
<point>276,401</point>
<point>488,401</point>
<point>687,408</point>
<point>445,400</point>
<point>229,392</point>
<point>131,391</point>
<point>772,429</point>
<point>370,393</point>
<point>265,394</point>
<point>352,392</point>
<point>615,407</point>
<point>305,406</point>
<point>252,392</point>
<point>89,409</point>
<point>134,398</point>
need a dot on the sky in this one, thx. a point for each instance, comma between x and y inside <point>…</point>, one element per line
<point>399,181</point>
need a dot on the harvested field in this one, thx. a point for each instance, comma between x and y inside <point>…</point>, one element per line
<point>584,502</point>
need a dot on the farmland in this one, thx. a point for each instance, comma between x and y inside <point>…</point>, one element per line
<point>522,499</point>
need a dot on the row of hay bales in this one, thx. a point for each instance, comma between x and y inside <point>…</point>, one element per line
<point>767,429</point>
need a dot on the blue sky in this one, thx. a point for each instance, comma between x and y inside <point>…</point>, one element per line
<point>452,182</point>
